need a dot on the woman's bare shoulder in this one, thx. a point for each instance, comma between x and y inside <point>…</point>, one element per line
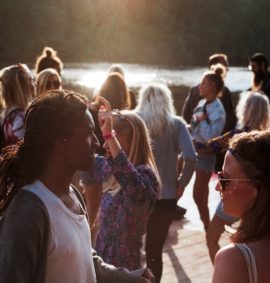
<point>230,266</point>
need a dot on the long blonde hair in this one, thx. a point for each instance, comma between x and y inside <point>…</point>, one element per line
<point>155,106</point>
<point>18,87</point>
<point>129,124</point>
<point>253,111</point>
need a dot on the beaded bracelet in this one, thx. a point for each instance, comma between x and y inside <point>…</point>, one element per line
<point>109,135</point>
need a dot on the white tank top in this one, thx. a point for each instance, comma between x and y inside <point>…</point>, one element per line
<point>250,262</point>
<point>69,249</point>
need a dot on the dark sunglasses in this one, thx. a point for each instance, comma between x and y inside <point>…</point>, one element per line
<point>54,84</point>
<point>224,182</point>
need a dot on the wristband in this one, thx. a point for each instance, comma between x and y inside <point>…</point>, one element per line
<point>109,135</point>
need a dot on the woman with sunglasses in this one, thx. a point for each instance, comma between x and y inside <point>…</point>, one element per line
<point>244,186</point>
<point>130,186</point>
<point>253,113</point>
<point>46,80</point>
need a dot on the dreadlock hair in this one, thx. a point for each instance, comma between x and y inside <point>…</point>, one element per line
<point>48,118</point>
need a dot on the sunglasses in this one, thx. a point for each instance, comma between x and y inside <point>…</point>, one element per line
<point>224,182</point>
<point>53,85</point>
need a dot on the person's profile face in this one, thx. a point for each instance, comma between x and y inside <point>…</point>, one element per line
<point>206,87</point>
<point>83,144</point>
<point>254,67</point>
<point>240,193</point>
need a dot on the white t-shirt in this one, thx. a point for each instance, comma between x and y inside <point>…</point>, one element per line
<point>69,248</point>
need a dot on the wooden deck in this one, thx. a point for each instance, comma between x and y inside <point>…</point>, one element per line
<point>185,256</point>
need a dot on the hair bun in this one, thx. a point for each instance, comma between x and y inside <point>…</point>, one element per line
<point>219,69</point>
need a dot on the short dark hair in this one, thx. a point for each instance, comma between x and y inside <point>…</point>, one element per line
<point>218,58</point>
<point>259,58</point>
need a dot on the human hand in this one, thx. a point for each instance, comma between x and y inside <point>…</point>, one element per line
<point>105,121</point>
<point>200,117</point>
<point>97,104</point>
<point>147,277</point>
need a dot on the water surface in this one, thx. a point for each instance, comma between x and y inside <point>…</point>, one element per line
<point>93,75</point>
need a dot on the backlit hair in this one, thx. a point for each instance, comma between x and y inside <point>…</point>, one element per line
<point>253,111</point>
<point>218,58</point>
<point>114,89</point>
<point>155,106</point>
<point>48,59</point>
<point>43,77</point>
<point>18,87</point>
<point>219,69</point>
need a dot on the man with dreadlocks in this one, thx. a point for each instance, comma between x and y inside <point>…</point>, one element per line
<point>44,233</point>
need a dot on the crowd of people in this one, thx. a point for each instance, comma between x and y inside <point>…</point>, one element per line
<point>82,181</point>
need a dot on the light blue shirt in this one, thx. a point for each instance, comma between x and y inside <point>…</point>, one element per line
<point>203,131</point>
<point>166,149</point>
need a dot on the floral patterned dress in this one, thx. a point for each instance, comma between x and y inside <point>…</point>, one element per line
<point>123,216</point>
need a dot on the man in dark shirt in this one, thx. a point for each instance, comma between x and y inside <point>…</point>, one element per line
<point>258,64</point>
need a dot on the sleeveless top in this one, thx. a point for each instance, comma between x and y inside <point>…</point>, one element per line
<point>250,262</point>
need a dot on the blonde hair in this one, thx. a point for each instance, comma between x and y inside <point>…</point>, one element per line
<point>129,124</point>
<point>155,106</point>
<point>42,80</point>
<point>18,87</point>
<point>253,111</point>
<point>51,61</point>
